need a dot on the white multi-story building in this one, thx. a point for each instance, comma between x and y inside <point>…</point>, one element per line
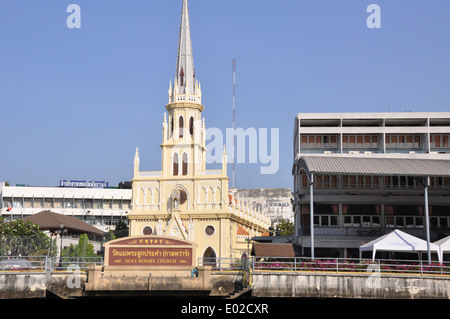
<point>369,173</point>
<point>276,203</point>
<point>100,207</point>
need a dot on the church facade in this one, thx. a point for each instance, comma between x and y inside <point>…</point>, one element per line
<point>184,199</point>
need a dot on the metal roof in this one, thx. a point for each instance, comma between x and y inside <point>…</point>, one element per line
<point>375,166</point>
<point>48,220</point>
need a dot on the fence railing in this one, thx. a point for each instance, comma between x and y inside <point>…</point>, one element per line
<point>225,264</point>
<point>381,266</point>
<point>358,231</point>
<point>297,264</point>
<point>336,265</point>
<point>46,263</point>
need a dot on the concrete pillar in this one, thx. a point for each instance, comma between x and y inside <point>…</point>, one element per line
<point>204,274</point>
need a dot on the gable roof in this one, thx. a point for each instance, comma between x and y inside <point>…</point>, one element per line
<point>241,231</point>
<point>397,240</point>
<point>48,220</point>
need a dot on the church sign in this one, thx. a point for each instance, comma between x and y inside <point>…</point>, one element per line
<point>149,251</point>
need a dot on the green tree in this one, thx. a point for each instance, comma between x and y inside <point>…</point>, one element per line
<point>121,229</point>
<point>110,235</point>
<point>22,238</point>
<point>285,228</point>
<point>83,249</point>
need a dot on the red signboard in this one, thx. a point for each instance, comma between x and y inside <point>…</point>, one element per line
<point>149,251</point>
<point>133,256</point>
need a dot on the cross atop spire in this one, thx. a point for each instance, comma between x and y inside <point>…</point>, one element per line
<point>185,87</point>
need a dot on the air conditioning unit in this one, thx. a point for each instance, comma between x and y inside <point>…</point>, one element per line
<point>327,152</point>
<point>353,152</point>
<point>412,152</point>
<point>367,152</point>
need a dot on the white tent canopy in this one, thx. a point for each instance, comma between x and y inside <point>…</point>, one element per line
<point>398,241</point>
<point>444,246</point>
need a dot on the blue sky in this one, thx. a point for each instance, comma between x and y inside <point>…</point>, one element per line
<point>75,103</point>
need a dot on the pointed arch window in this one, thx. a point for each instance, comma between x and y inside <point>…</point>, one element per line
<point>175,164</point>
<point>209,257</point>
<point>171,126</point>
<point>180,126</point>
<point>185,164</point>
<point>191,125</point>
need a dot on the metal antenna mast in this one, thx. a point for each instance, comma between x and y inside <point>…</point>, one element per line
<point>234,121</point>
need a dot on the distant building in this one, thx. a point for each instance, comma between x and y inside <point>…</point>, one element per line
<point>276,203</point>
<point>370,173</point>
<point>100,207</point>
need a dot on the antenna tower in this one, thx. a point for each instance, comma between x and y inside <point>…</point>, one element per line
<point>234,122</point>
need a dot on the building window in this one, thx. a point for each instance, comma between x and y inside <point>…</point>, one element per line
<point>210,230</point>
<point>98,204</point>
<point>440,182</point>
<point>175,164</point>
<point>58,203</point>
<point>191,125</point>
<point>402,141</point>
<point>360,141</point>
<point>48,202</point>
<point>183,197</point>
<point>324,181</point>
<point>28,202</point>
<point>401,182</point>
<point>439,140</point>
<point>107,203</point>
<point>319,141</point>
<point>180,126</point>
<point>185,164</point>
<point>147,230</point>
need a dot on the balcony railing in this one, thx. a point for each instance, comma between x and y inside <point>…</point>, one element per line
<point>358,231</point>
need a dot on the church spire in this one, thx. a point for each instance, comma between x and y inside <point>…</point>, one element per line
<point>185,60</point>
<point>185,88</point>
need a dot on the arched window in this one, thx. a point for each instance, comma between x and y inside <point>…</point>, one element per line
<point>209,257</point>
<point>202,195</point>
<point>141,197</point>
<point>180,126</point>
<point>217,196</point>
<point>155,198</point>
<point>175,164</point>
<point>185,164</point>
<point>191,125</point>
<point>171,126</point>
<point>210,196</point>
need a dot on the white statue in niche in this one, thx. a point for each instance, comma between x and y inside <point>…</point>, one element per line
<point>176,199</point>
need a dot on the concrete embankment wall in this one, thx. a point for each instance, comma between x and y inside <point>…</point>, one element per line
<point>16,284</point>
<point>264,284</point>
<point>340,285</point>
<point>22,285</point>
